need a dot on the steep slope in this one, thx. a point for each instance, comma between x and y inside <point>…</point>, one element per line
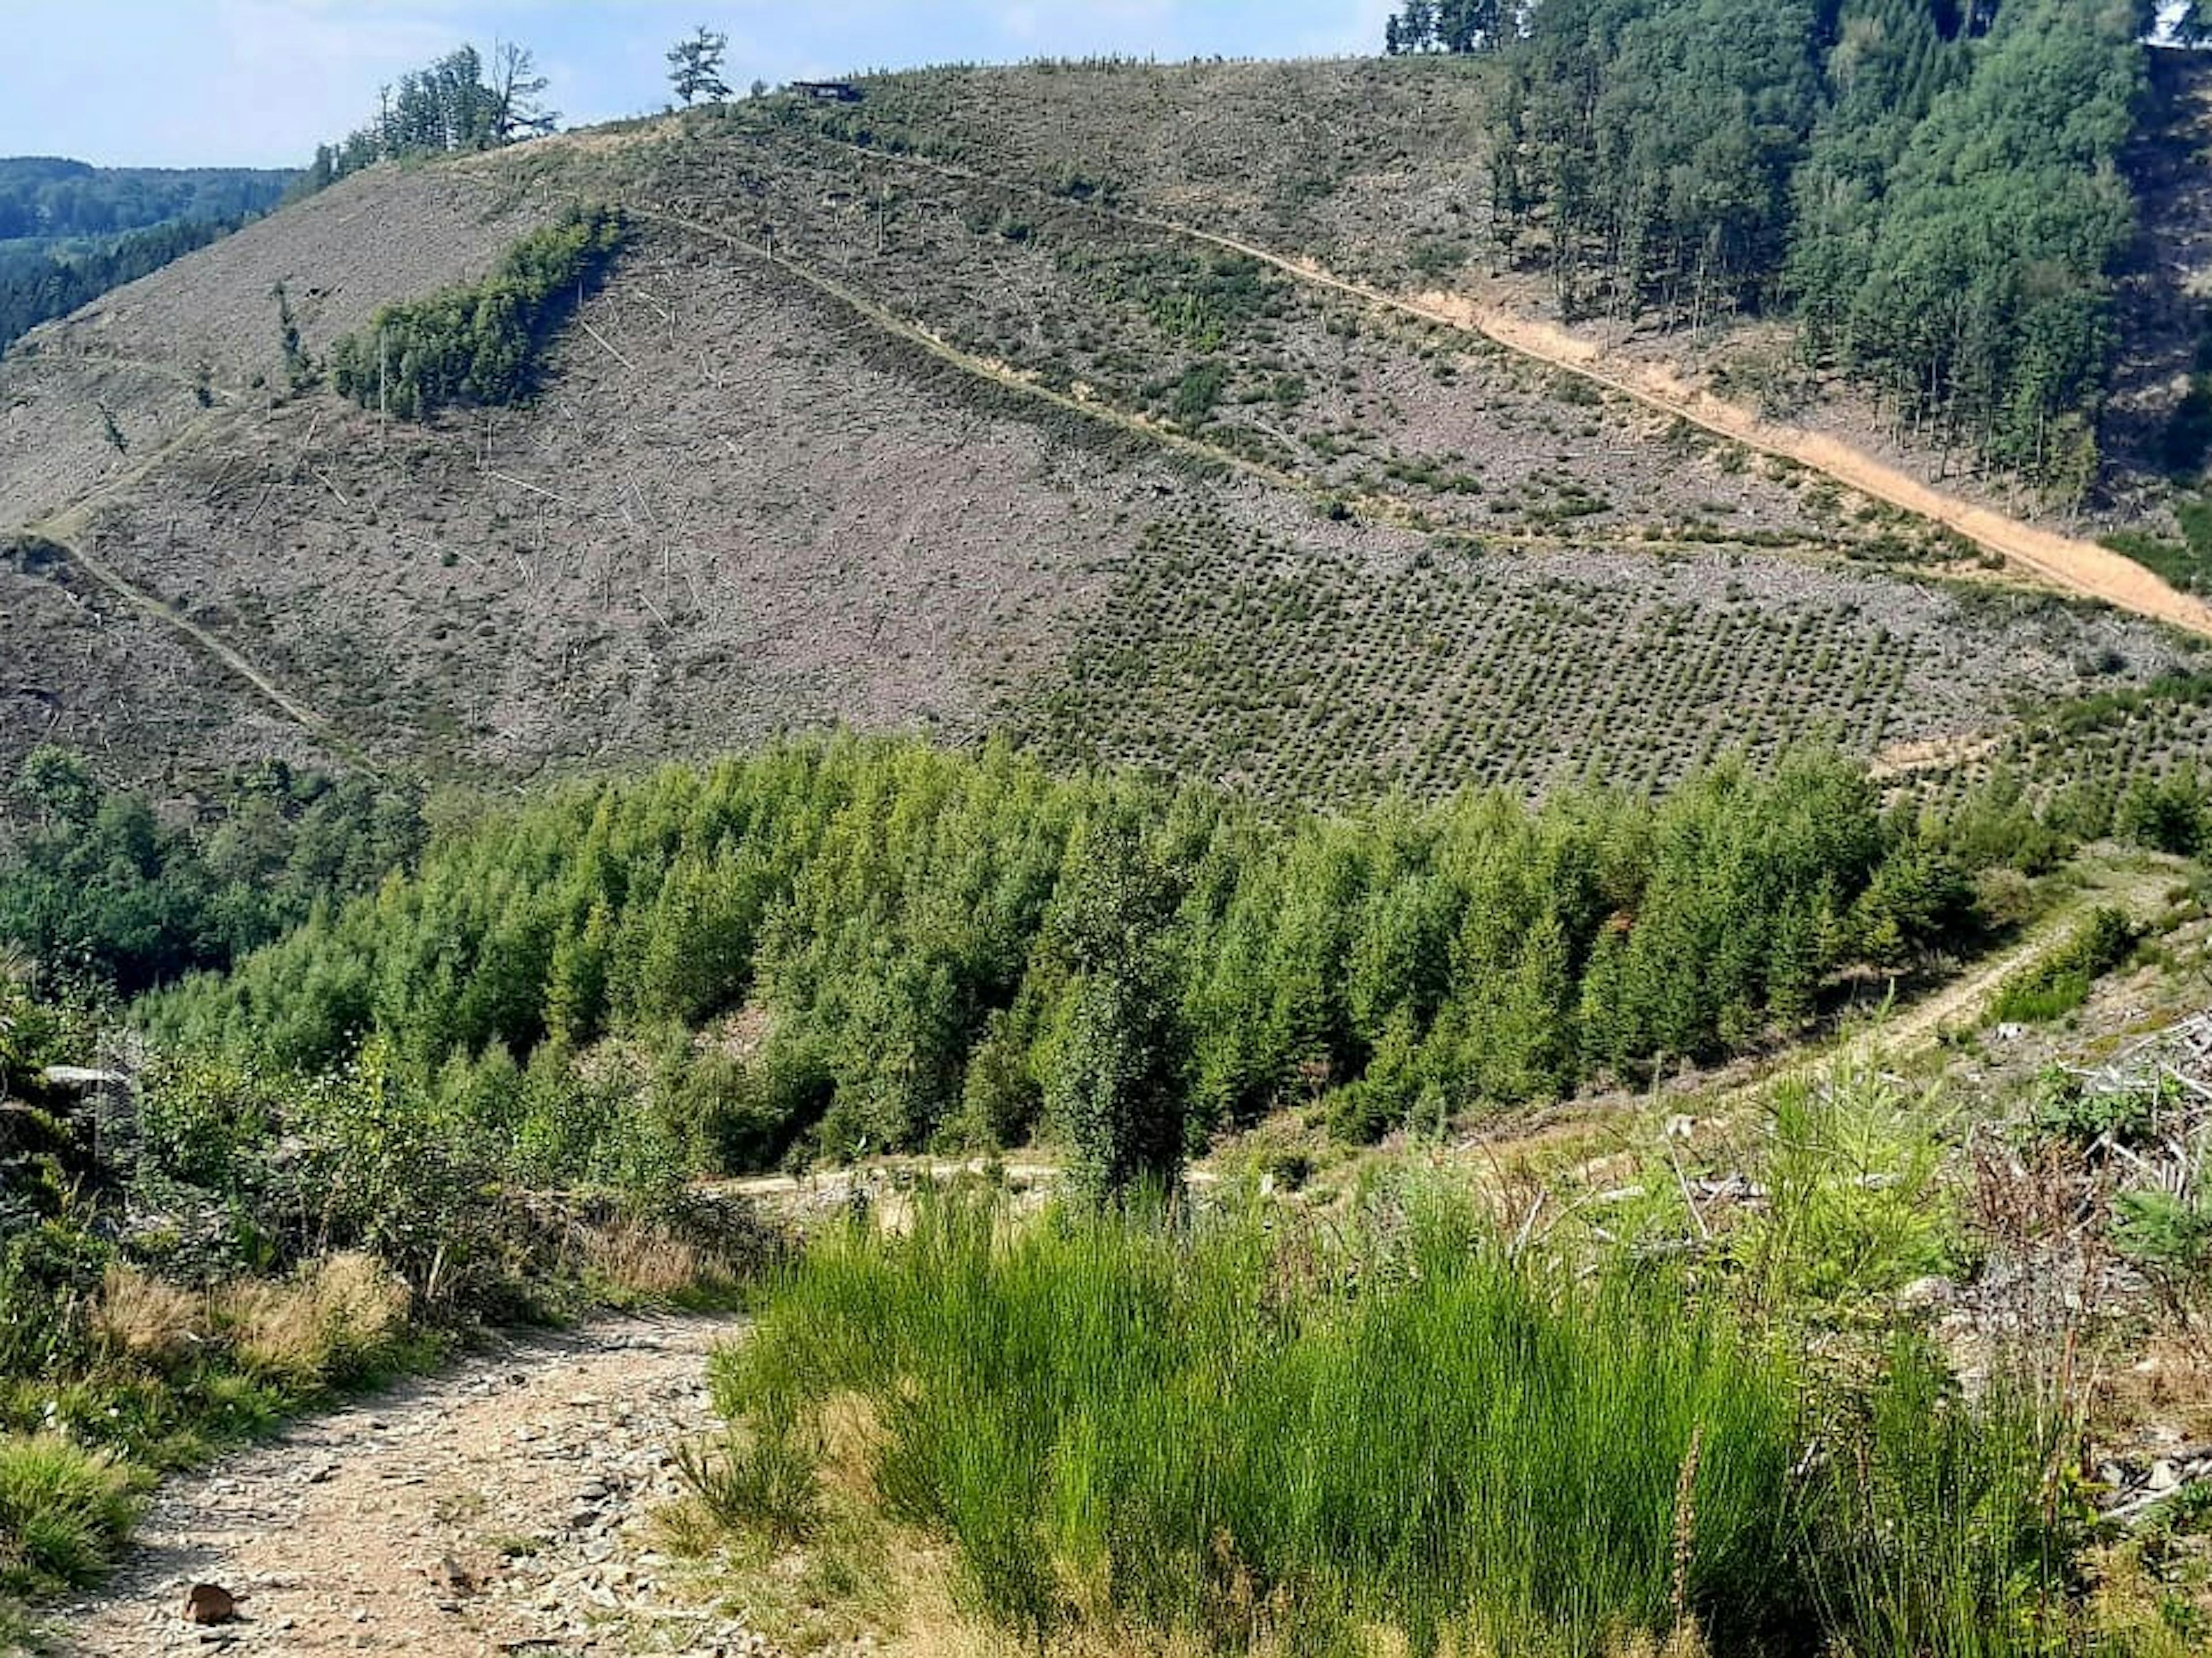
<point>1383,173</point>
<point>851,439</point>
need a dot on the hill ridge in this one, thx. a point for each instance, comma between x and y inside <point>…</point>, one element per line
<point>1126,487</point>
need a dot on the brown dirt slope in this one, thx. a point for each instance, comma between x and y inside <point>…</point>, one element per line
<point>139,352</point>
<point>946,462</point>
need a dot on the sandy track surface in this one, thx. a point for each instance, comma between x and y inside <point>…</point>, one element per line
<point>2067,561</point>
<point>2080,567</point>
<point>501,1507</point>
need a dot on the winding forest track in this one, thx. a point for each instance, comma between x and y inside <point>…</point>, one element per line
<point>295,710</point>
<point>66,530</point>
<point>2077,566</point>
<point>502,1506</point>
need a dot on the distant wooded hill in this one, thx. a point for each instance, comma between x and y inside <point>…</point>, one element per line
<point>70,231</point>
<point>48,199</point>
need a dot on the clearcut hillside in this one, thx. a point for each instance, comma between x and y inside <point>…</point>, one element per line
<point>954,412</point>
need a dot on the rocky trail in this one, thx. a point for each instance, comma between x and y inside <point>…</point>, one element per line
<point>503,1506</point>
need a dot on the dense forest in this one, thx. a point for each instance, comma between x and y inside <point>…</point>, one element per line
<point>888,946</point>
<point>55,200</point>
<point>1931,188</point>
<point>100,889</point>
<point>479,344</point>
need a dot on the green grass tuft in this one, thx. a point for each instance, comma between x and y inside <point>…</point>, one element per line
<point>1206,1429</point>
<point>64,1513</point>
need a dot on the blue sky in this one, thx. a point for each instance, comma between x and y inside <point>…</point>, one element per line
<point>259,82</point>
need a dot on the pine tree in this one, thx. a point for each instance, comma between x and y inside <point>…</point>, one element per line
<point>1115,1083</point>
<point>696,67</point>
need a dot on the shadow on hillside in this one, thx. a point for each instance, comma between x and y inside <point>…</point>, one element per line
<point>2163,293</point>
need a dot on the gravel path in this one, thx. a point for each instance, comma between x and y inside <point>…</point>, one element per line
<point>499,1507</point>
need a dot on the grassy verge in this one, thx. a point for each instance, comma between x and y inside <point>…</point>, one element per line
<point>1215,1433</point>
<point>2059,983</point>
<point>63,1510</point>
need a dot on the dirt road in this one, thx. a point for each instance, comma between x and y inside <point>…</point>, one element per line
<point>2067,561</point>
<point>2081,566</point>
<point>502,1507</point>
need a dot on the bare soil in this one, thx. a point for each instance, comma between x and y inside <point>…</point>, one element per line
<point>504,1506</point>
<point>2078,565</point>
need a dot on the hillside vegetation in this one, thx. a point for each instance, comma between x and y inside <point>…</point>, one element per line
<point>70,232</point>
<point>1401,1430</point>
<point>45,198</point>
<point>900,935</point>
<point>1933,191</point>
<point>1094,615</point>
<point>772,407</point>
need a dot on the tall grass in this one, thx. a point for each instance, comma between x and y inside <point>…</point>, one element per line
<point>1200,1431</point>
<point>1124,1425</point>
<point>64,1512</point>
<point>1933,1527</point>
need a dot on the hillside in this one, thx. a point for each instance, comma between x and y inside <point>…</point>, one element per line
<point>68,231</point>
<point>1370,843</point>
<point>944,442</point>
<point>48,199</point>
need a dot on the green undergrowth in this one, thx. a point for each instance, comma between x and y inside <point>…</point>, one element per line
<point>191,1259</point>
<point>63,1511</point>
<point>2059,981</point>
<point>1237,1430</point>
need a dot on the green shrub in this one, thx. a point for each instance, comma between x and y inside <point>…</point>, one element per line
<point>766,1481</point>
<point>2170,813</point>
<point>2060,982</point>
<point>2065,1108</point>
<point>1933,1527</point>
<point>2168,1238</point>
<point>1198,392</point>
<point>1854,1204</point>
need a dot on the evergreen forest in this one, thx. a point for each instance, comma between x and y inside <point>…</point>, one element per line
<point>1933,190</point>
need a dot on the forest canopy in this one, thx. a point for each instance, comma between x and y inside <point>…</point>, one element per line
<point>875,945</point>
<point>1931,187</point>
<point>50,199</point>
<point>479,344</point>
<point>70,231</point>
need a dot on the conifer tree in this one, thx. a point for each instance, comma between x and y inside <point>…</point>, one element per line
<point>694,67</point>
<point>1115,1085</point>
